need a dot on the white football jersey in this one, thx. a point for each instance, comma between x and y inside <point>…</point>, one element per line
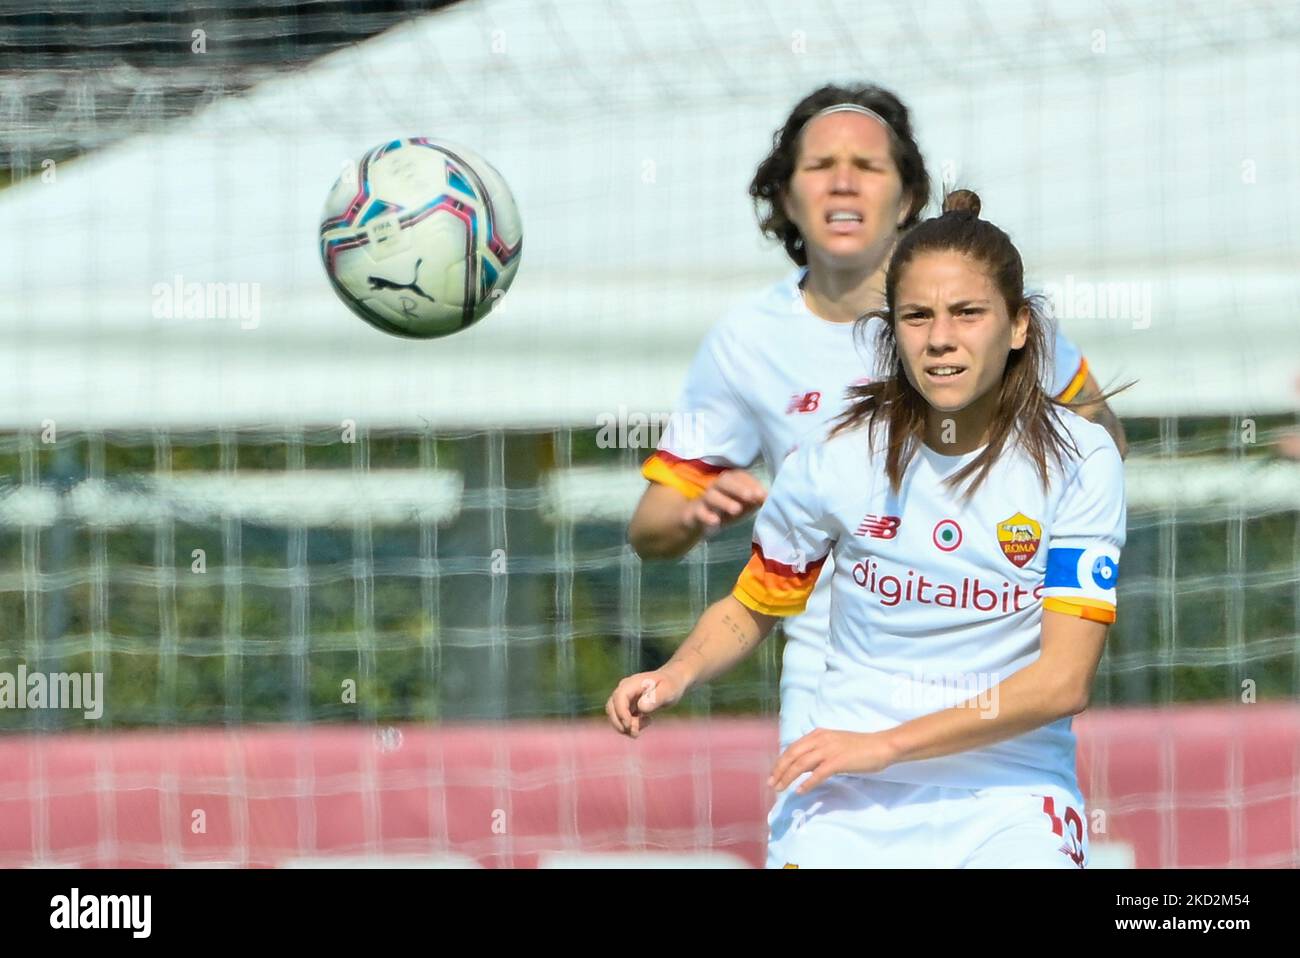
<point>767,374</point>
<point>936,599</point>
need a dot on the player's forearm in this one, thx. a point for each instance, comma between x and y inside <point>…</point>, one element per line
<point>1103,416</point>
<point>660,537</point>
<point>657,530</point>
<point>1101,413</point>
<point>725,634</point>
<point>1020,703</point>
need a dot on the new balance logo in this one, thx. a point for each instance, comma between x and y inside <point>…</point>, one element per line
<point>807,402</point>
<point>879,527</point>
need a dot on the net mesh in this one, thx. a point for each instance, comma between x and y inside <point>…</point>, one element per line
<point>243,577</point>
<point>222,571</point>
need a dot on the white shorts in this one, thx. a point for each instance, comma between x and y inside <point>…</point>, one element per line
<point>796,716</point>
<point>856,822</point>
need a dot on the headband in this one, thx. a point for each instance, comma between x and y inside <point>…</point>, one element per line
<point>855,108</point>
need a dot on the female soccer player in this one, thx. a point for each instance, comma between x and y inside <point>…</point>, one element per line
<point>845,178</point>
<point>961,643</point>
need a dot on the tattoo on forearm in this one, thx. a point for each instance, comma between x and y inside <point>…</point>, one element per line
<point>737,629</point>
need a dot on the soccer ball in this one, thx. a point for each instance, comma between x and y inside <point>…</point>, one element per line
<point>421,238</point>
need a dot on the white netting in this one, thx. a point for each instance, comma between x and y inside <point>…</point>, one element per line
<point>231,515</point>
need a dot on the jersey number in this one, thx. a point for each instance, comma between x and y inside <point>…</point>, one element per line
<point>1058,827</point>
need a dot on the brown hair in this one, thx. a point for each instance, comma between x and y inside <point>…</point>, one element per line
<point>1025,414</point>
<point>773,175</point>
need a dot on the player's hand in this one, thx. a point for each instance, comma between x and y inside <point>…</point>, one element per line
<point>638,696</point>
<point>733,495</point>
<point>825,752</point>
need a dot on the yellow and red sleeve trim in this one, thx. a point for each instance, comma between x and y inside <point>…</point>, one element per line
<point>1090,609</point>
<point>774,588</point>
<point>690,477</point>
<point>1076,384</point>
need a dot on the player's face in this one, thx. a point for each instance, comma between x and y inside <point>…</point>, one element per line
<point>953,330</point>
<point>845,195</point>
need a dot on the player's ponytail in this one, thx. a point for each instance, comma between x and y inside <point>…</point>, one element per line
<point>1025,413</point>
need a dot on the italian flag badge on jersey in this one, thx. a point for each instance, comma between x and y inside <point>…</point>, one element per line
<point>1019,537</point>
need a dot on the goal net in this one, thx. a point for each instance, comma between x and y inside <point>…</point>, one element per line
<point>349,595</point>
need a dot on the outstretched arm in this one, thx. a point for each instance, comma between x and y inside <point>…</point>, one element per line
<point>791,544</point>
<point>725,634</point>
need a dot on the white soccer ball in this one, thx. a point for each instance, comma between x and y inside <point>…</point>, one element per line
<point>421,238</point>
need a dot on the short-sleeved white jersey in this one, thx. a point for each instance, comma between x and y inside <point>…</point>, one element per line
<point>936,599</point>
<point>768,373</point>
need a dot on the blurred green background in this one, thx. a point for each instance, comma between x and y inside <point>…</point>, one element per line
<point>284,617</point>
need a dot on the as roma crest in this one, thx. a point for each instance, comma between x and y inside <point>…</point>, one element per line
<point>1019,537</point>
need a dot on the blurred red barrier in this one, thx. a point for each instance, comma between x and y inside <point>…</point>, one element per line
<point>1191,786</point>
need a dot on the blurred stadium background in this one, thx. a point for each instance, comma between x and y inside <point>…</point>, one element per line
<point>231,517</point>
